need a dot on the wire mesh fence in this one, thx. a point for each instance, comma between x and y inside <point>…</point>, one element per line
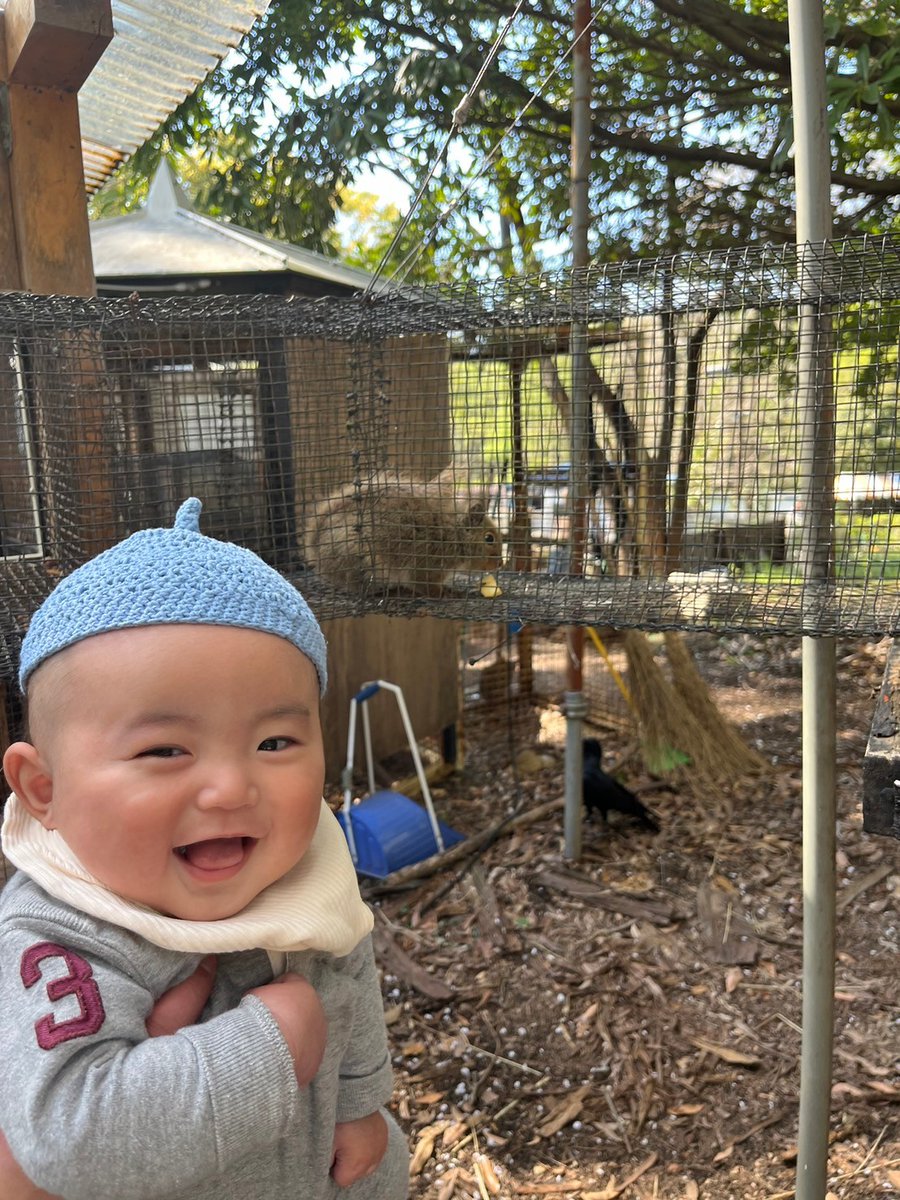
<point>412,452</point>
<point>505,678</point>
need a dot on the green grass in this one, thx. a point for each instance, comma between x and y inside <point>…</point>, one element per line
<point>481,406</point>
<point>867,549</point>
<point>867,546</point>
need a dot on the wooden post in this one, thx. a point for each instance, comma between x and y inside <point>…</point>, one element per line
<point>9,255</point>
<point>49,49</point>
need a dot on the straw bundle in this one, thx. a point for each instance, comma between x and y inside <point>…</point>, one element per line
<point>733,753</point>
<point>677,721</point>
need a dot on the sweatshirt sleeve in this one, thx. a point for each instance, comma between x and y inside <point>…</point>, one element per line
<point>366,1079</point>
<point>93,1107</point>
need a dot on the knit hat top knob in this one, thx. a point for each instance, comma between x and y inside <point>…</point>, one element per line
<point>188,515</point>
<point>175,576</point>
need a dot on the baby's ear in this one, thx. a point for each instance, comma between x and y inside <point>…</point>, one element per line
<point>30,778</point>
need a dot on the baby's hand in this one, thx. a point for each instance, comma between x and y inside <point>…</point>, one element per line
<point>293,1003</point>
<point>182,1005</point>
<point>359,1147</point>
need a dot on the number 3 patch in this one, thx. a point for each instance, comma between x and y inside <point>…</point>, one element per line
<point>79,982</point>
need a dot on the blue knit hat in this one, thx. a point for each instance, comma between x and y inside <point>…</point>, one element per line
<point>172,576</point>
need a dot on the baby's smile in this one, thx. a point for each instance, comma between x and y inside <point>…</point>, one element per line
<point>216,858</point>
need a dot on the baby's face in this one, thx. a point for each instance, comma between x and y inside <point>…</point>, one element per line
<point>186,761</point>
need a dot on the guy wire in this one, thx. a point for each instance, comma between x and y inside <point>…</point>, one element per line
<point>414,255</point>
<point>460,113</point>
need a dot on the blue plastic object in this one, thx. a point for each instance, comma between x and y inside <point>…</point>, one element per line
<point>391,831</point>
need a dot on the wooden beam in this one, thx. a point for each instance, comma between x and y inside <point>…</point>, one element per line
<point>56,43</point>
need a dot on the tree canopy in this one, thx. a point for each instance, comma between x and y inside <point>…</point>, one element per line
<point>691,129</point>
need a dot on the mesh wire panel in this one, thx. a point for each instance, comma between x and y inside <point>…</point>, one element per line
<point>736,467</point>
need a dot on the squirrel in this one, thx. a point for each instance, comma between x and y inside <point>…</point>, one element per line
<point>400,535</point>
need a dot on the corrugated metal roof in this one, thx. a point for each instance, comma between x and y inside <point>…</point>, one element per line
<point>166,238</point>
<point>161,50</point>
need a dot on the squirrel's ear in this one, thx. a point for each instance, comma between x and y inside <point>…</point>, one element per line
<point>477,511</point>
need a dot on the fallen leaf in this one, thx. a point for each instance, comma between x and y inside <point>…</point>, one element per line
<point>849,893</point>
<point>657,912</point>
<point>400,963</point>
<point>448,1186</point>
<point>454,1131</point>
<point>638,884</point>
<point>725,932</point>
<point>425,1146</point>
<point>846,1089</point>
<point>486,1174</point>
<point>487,909</point>
<point>564,1112</point>
<point>728,1149</point>
<point>884,1089</point>
<point>612,1190</point>
<point>870,1068</point>
<point>581,1025</point>
<point>548,1189</point>
<point>727,1054</point>
<point>732,978</point>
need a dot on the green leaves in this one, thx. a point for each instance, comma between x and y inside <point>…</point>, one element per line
<point>701,92</point>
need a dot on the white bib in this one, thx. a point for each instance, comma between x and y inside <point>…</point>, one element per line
<point>316,906</point>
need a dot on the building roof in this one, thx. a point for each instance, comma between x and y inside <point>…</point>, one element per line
<point>161,51</point>
<point>167,239</point>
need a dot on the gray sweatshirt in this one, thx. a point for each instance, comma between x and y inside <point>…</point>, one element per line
<point>93,1109</point>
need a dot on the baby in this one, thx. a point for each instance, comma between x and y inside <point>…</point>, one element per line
<point>168,807</point>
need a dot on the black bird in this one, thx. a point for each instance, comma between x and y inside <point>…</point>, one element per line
<point>601,791</point>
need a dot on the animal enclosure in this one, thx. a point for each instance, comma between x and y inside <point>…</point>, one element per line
<point>443,419</point>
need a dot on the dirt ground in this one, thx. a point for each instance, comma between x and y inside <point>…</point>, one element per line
<point>629,1025</point>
